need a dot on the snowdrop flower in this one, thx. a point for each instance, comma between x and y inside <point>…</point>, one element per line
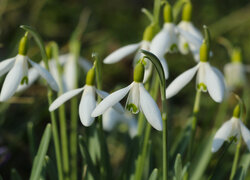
<point>235,72</point>
<point>230,129</point>
<point>67,61</point>
<point>145,44</point>
<point>191,41</point>
<point>18,71</point>
<point>138,99</point>
<point>208,78</point>
<point>111,118</point>
<point>88,100</point>
<point>166,40</point>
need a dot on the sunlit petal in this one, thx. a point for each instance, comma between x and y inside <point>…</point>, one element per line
<point>70,70</point>
<point>245,134</point>
<point>160,43</point>
<point>110,119</point>
<point>87,105</point>
<point>215,84</point>
<point>6,65</point>
<point>64,97</point>
<point>222,135</point>
<point>13,78</point>
<point>110,101</point>
<point>180,82</point>
<point>119,54</point>
<point>45,74</point>
<point>150,108</point>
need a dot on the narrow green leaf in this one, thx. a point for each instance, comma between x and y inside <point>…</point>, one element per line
<point>243,167</point>
<point>178,167</point>
<point>157,9</point>
<point>148,14</point>
<point>153,175</point>
<point>87,158</point>
<point>30,133</point>
<point>156,62</point>
<point>42,150</point>
<point>39,42</point>
<point>15,175</point>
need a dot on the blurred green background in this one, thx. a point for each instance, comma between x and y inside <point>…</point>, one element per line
<point>112,24</point>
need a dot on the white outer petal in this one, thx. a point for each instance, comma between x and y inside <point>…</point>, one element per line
<point>118,107</point>
<point>222,135</point>
<point>160,43</point>
<point>6,65</point>
<point>64,97</point>
<point>215,84</point>
<point>64,58</point>
<point>45,74</point>
<point>245,134</point>
<point>85,64</point>
<point>32,76</point>
<point>119,54</point>
<point>110,101</point>
<point>181,81</point>
<point>150,108</point>
<point>110,119</point>
<point>87,105</point>
<point>13,78</point>
<point>70,70</point>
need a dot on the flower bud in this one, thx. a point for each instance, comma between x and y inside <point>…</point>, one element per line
<point>139,72</point>
<point>148,33</point>
<point>236,55</point>
<point>90,78</point>
<point>236,113</point>
<point>204,52</point>
<point>23,45</point>
<point>187,12</point>
<point>168,16</point>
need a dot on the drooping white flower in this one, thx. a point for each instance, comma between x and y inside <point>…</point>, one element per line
<point>232,128</point>
<point>146,44</point>
<point>208,79</point>
<point>87,102</point>
<point>138,99</point>
<point>18,72</point>
<point>65,61</point>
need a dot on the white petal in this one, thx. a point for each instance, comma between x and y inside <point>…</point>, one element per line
<point>64,97</point>
<point>245,134</point>
<point>70,73</point>
<point>110,119</point>
<point>180,82</point>
<point>110,101</point>
<point>222,135</point>
<point>32,77</point>
<point>6,65</point>
<point>85,64</point>
<point>133,100</point>
<point>13,78</point>
<point>133,127</point>
<point>215,84</point>
<point>45,74</point>
<point>160,43</point>
<point>119,54</point>
<point>118,107</point>
<point>87,105</point>
<point>150,109</point>
<point>64,58</point>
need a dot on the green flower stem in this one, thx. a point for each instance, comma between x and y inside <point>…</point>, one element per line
<point>194,123</point>
<point>62,121</point>
<point>41,46</point>
<point>236,159</point>
<point>142,155</point>
<point>105,164</point>
<point>75,48</point>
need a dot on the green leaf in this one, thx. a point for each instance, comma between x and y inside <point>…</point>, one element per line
<point>39,42</point>
<point>15,175</point>
<point>156,62</point>
<point>42,150</point>
<point>30,133</point>
<point>153,175</point>
<point>148,14</point>
<point>243,167</point>
<point>178,167</point>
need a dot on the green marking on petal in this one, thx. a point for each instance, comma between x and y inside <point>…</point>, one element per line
<point>202,87</point>
<point>185,46</point>
<point>132,108</point>
<point>25,80</point>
